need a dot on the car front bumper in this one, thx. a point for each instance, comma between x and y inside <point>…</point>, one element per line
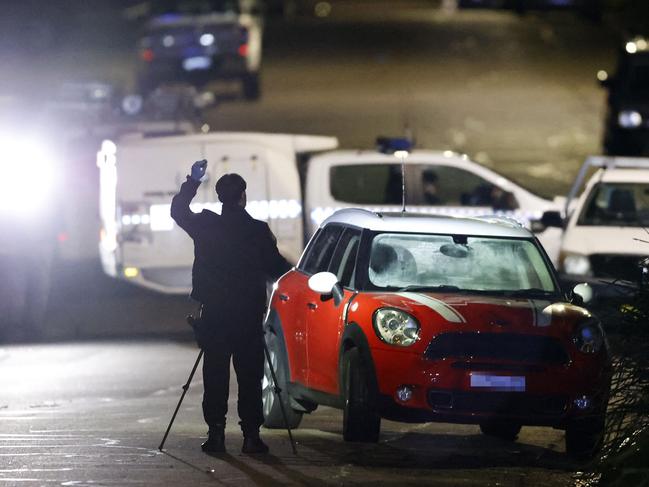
<point>443,390</point>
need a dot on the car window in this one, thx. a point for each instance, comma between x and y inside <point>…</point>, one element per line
<point>321,250</point>
<point>426,185</point>
<point>344,258</point>
<point>616,204</point>
<point>474,264</point>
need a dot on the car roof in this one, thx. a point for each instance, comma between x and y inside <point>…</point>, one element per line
<point>623,175</point>
<point>491,225</point>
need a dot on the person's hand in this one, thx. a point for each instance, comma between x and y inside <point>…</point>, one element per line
<point>198,170</point>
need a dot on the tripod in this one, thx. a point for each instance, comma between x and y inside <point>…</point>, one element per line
<point>276,390</point>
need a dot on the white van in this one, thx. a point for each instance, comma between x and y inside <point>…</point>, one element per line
<point>139,175</point>
<point>286,188</point>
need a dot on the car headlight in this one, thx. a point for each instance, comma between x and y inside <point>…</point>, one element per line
<point>24,162</point>
<point>396,327</point>
<point>629,119</point>
<point>589,337</point>
<point>575,264</point>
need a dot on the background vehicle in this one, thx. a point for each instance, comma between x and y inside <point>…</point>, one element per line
<point>444,183</point>
<point>139,176</point>
<point>626,132</point>
<point>431,318</point>
<point>286,187</point>
<point>199,41</point>
<point>605,234</point>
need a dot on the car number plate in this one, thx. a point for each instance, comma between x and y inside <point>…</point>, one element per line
<point>498,382</point>
<point>197,63</point>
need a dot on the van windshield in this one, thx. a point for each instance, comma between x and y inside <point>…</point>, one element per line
<point>444,263</point>
<point>617,205</point>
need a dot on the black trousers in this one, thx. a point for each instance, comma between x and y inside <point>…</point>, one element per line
<point>240,339</point>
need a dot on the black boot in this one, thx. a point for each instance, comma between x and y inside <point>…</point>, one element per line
<point>215,440</point>
<point>252,444</point>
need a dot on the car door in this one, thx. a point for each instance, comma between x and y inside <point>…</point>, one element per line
<point>325,319</point>
<point>293,296</point>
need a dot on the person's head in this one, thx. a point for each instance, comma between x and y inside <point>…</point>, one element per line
<point>231,189</point>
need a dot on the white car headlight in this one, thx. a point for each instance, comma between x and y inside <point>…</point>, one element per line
<point>396,327</point>
<point>26,175</point>
<point>578,265</point>
<point>629,119</point>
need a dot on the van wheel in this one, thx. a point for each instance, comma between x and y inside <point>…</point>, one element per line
<point>501,429</point>
<point>273,417</point>
<point>584,437</point>
<point>361,421</point>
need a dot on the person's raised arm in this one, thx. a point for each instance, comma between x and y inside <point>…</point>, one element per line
<point>180,211</point>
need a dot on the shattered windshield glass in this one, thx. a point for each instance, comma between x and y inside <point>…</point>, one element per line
<point>617,205</point>
<point>449,263</point>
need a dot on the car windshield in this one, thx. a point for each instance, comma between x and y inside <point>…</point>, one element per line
<point>617,205</point>
<point>447,263</point>
<point>195,7</point>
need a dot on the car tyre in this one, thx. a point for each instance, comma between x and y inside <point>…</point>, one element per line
<point>273,417</point>
<point>584,437</point>
<point>361,422</point>
<point>251,86</point>
<point>504,430</point>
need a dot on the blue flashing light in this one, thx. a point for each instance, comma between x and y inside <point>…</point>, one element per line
<point>390,145</point>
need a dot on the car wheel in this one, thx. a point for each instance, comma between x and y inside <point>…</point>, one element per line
<point>273,417</point>
<point>584,437</point>
<point>361,421</point>
<point>501,429</point>
<point>251,87</point>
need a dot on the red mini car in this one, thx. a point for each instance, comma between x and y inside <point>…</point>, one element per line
<point>429,318</point>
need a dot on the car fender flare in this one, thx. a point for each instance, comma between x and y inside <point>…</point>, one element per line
<point>354,337</point>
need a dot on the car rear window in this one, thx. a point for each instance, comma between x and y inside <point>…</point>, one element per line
<point>428,261</point>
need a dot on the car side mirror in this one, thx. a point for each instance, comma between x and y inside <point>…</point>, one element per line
<point>548,219</point>
<point>582,294</point>
<point>326,285</point>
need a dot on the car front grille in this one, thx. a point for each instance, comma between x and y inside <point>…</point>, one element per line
<point>624,267</point>
<point>508,347</point>
<point>511,403</point>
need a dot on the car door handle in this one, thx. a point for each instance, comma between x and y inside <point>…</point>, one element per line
<point>311,305</point>
<point>283,297</point>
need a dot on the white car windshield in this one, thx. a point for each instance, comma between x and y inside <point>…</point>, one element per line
<point>448,263</point>
<point>617,205</point>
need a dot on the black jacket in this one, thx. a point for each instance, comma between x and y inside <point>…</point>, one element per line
<point>234,254</point>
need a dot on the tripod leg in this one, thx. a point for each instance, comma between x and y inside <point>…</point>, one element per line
<point>279,397</point>
<point>185,387</point>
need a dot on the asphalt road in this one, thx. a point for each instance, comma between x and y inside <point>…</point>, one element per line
<point>94,414</point>
<point>517,94</point>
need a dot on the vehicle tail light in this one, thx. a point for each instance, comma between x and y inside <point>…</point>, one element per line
<point>243,50</point>
<point>147,55</point>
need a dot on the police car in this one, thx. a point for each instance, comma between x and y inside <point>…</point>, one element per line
<point>420,318</point>
<point>294,183</point>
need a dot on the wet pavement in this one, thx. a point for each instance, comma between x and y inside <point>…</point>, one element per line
<point>94,414</point>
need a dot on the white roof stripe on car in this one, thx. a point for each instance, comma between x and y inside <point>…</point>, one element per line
<point>447,312</point>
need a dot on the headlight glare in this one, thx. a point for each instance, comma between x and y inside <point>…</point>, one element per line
<point>629,119</point>
<point>396,327</point>
<point>576,264</point>
<point>589,337</point>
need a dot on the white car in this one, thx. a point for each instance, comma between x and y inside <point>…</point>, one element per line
<point>437,182</point>
<point>605,236</point>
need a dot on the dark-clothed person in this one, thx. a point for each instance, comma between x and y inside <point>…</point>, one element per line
<point>234,257</point>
